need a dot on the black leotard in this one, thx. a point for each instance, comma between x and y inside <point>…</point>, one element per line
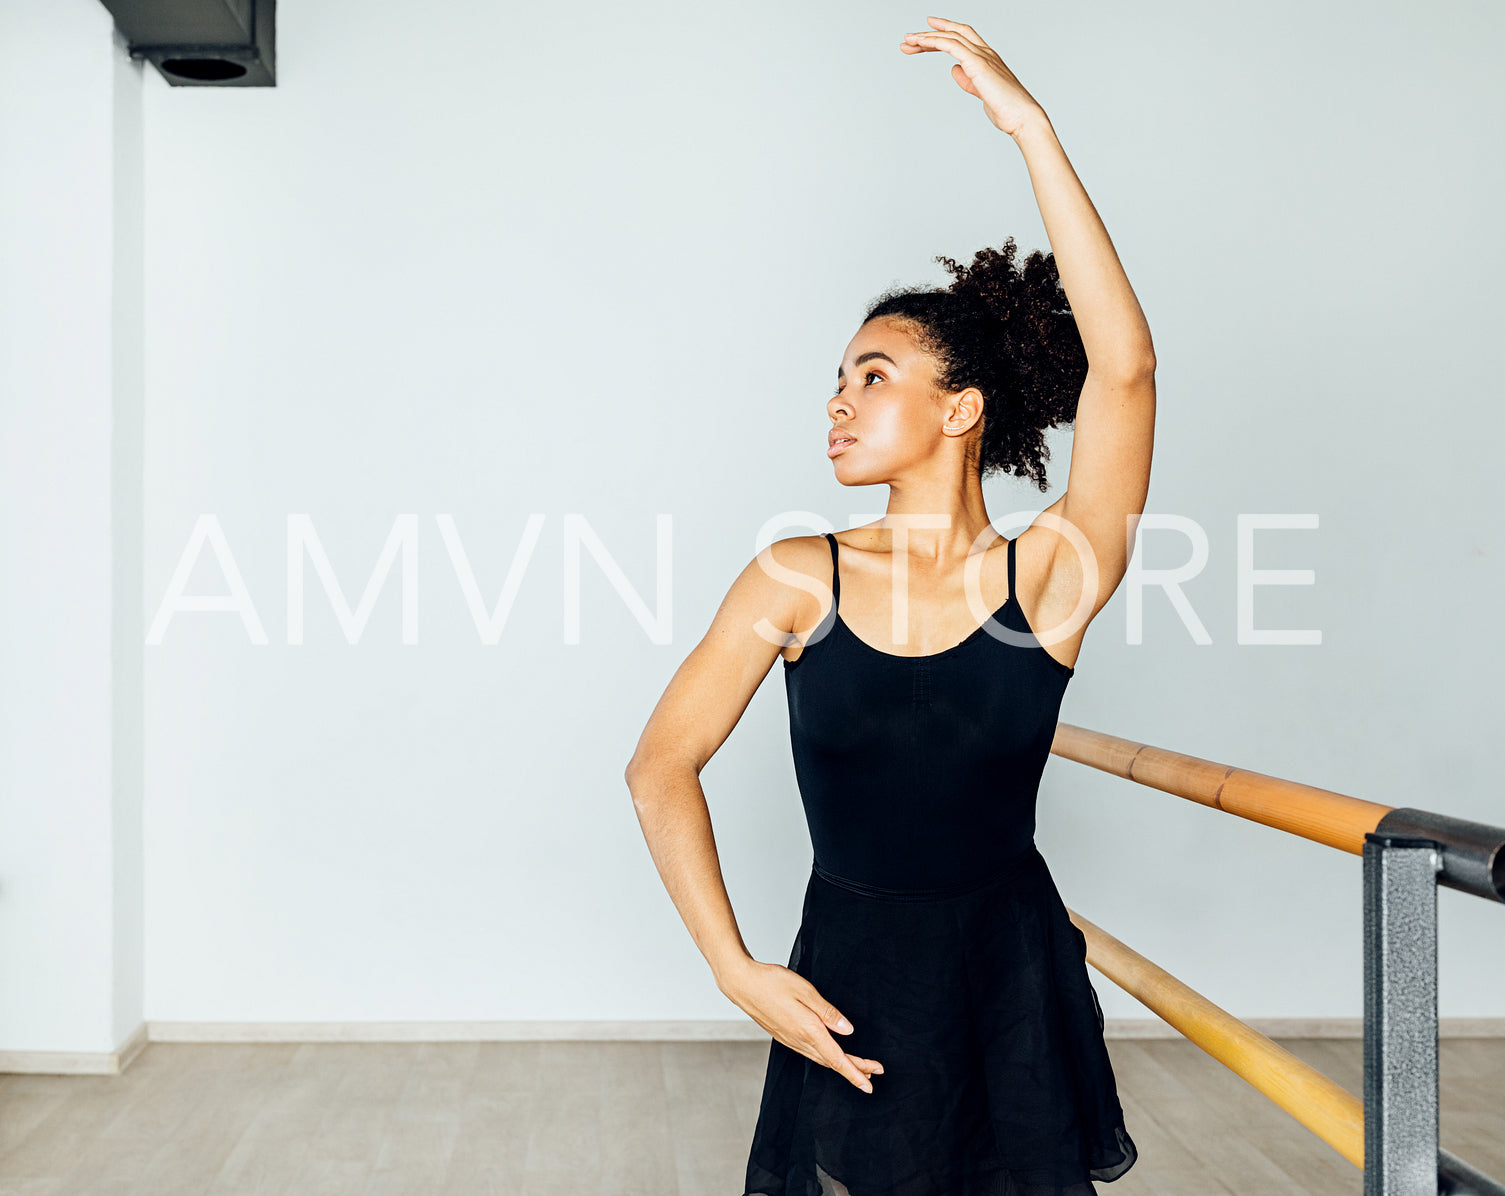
<point>919,773</point>
<point>935,926</point>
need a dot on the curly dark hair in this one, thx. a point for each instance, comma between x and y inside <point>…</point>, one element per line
<point>1008,330</point>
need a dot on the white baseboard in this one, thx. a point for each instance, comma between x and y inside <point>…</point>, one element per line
<point>114,1062</point>
<point>77,1063</point>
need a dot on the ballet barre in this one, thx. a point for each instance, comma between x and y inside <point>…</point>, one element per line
<point>1393,1133</point>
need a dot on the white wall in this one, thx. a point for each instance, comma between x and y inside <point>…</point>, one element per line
<point>490,263</point>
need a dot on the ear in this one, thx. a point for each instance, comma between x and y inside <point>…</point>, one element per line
<point>962,411</point>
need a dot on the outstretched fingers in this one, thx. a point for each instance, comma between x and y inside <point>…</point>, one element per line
<point>957,27</point>
<point>950,43</point>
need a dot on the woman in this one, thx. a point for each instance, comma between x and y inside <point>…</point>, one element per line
<point>932,938</point>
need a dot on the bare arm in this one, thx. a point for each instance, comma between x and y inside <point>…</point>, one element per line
<point>1115,423</point>
<point>1108,316</point>
<point>1114,432</point>
<point>703,702</point>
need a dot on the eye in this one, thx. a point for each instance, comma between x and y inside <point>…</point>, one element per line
<point>865,377</point>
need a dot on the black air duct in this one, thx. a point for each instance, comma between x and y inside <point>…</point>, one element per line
<point>202,43</point>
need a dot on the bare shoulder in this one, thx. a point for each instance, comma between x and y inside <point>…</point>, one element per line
<point>784,587</point>
<point>795,579</point>
<point>756,621</point>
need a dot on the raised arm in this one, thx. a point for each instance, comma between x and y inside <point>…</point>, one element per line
<point>1115,420</point>
<point>1114,432</point>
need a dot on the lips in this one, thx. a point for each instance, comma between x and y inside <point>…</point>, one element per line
<point>838,441</point>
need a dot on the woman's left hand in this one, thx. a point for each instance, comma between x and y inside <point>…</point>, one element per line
<point>979,71</point>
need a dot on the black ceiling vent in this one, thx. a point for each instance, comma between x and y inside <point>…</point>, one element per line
<point>202,43</point>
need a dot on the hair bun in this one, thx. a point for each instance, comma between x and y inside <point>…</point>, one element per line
<point>1006,328</point>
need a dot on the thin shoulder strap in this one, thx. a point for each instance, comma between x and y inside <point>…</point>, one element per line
<point>1012,591</point>
<point>835,573</point>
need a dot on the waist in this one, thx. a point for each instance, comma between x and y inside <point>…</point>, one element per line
<point>1013,868</point>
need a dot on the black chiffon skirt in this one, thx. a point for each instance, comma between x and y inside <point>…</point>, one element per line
<point>995,1081</point>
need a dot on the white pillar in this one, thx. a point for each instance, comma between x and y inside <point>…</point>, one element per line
<point>70,533</point>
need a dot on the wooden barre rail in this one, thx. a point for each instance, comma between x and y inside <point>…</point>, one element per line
<point>1470,857</point>
<point>1326,1108</point>
<point>1318,814</point>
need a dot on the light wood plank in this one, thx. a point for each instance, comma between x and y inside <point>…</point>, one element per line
<point>605,1118</point>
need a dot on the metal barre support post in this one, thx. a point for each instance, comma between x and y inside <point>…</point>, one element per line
<point>1409,853</point>
<point>1400,1016</point>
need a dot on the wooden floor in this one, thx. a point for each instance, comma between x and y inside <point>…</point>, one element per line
<point>609,1119</point>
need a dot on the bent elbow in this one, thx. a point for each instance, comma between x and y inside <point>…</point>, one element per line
<point>650,776</point>
<point>639,775</point>
<point>1125,369</point>
<point>1140,367</point>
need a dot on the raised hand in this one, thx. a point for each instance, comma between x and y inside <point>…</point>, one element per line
<point>791,1009</point>
<point>978,71</point>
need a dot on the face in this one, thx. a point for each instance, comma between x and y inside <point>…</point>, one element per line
<point>886,416</point>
